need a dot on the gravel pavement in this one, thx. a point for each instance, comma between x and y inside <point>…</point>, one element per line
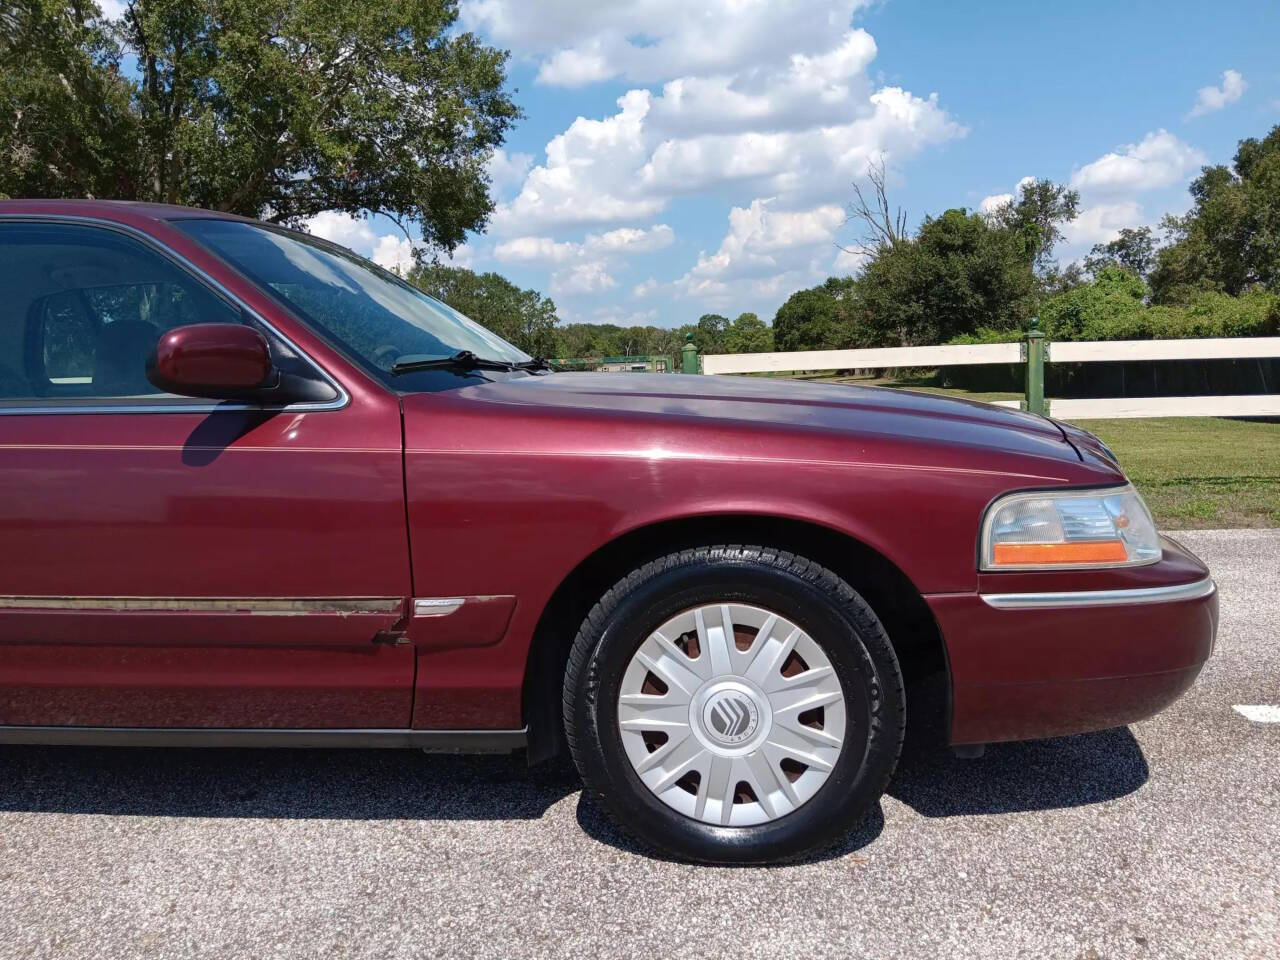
<point>1160,840</point>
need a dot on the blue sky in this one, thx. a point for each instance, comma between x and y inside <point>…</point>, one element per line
<point>680,158</point>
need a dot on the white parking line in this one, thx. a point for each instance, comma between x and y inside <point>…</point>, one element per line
<point>1258,714</point>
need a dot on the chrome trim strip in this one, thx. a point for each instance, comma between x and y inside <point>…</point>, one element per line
<point>437,606</point>
<point>1100,598</point>
<point>443,741</point>
<point>197,406</point>
<point>252,606</point>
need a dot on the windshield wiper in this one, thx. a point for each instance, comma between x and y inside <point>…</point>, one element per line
<point>462,360</point>
<point>537,363</point>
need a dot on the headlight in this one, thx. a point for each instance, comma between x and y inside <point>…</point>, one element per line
<point>1054,530</point>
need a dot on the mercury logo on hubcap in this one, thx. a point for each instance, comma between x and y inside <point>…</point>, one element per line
<point>731,716</point>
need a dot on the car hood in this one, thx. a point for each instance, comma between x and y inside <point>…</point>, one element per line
<point>777,403</point>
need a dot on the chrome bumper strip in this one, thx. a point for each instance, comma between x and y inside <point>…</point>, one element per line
<point>1100,598</point>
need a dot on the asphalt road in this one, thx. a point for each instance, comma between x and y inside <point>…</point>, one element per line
<point>1161,840</point>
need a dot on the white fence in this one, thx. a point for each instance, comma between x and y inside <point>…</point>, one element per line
<point>876,358</point>
<point>1248,405</point>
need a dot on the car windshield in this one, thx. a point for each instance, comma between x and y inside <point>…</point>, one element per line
<point>375,315</point>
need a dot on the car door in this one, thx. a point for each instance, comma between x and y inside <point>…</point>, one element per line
<point>174,562</point>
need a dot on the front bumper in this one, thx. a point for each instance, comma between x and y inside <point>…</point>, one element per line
<point>1051,654</point>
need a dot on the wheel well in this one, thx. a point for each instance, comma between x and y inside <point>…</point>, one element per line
<point>914,633</point>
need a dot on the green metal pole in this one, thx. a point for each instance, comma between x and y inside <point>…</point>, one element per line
<point>1035,351</point>
<point>689,354</point>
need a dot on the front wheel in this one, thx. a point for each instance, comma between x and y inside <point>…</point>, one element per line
<point>734,704</point>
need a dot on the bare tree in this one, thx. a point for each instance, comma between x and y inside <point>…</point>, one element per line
<point>881,227</point>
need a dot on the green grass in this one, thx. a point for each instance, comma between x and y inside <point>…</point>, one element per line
<point>1200,471</point>
<point>1193,471</point>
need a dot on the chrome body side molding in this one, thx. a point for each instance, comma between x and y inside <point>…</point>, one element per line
<point>436,741</point>
<point>253,606</point>
<point>437,606</point>
<point>1100,598</point>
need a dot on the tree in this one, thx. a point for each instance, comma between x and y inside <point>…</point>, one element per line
<point>273,108</point>
<point>960,272</point>
<point>1134,250</point>
<point>1036,216</point>
<point>1114,296</point>
<point>880,226</point>
<point>524,317</point>
<point>1058,279</point>
<point>595,340</point>
<point>822,318</point>
<point>748,334</point>
<point>66,123</point>
<point>709,333</point>
<point>1230,239</point>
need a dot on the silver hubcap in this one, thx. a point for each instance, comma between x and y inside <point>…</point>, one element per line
<point>731,714</point>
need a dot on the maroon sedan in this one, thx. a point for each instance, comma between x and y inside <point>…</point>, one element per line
<point>257,491</point>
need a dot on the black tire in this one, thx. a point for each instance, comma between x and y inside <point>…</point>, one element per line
<point>813,597</point>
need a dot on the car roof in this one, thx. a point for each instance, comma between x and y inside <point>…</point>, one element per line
<point>122,210</point>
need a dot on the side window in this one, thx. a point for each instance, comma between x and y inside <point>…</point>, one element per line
<point>81,309</point>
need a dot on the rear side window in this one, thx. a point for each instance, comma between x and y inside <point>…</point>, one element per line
<point>81,310</point>
<point>67,334</point>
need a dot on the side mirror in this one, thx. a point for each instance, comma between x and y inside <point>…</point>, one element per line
<point>220,361</point>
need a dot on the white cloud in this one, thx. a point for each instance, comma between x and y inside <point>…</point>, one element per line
<point>807,91</point>
<point>576,68</point>
<point>893,122</point>
<point>584,267</point>
<point>354,233</point>
<point>1159,160</point>
<point>765,252</point>
<point>643,41</point>
<point>584,178</point>
<point>536,250</point>
<point>994,202</point>
<point>508,170</point>
<point>632,164</point>
<point>849,261</point>
<point>464,255</point>
<point>632,239</point>
<point>760,98</point>
<point>112,9</point>
<point>393,253</point>
<point>1210,99</point>
<point>590,276</point>
<point>1101,223</point>
<point>624,240</point>
<point>645,287</point>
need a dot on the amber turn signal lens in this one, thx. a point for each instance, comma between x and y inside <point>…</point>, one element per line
<point>1038,554</point>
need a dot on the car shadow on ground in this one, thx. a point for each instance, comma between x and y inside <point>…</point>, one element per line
<point>316,784</point>
<point>406,784</point>
<point>1018,777</point>
<point>597,825</point>
<point>1010,777</point>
